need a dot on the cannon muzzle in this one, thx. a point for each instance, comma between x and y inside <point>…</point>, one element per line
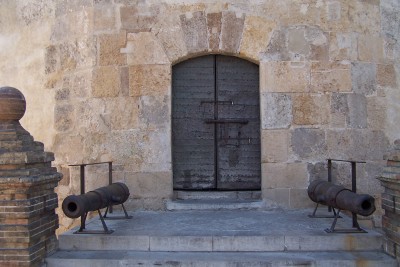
<point>75,206</point>
<point>339,197</point>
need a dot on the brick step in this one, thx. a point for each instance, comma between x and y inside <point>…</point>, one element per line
<point>218,259</point>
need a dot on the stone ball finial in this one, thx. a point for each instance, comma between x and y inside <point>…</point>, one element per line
<point>12,104</point>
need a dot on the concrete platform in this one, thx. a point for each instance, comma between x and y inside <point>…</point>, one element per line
<point>221,238</point>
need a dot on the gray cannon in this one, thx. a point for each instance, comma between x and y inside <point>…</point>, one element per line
<point>75,206</point>
<point>341,198</point>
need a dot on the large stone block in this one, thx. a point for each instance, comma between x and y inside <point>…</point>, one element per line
<point>256,35</point>
<point>232,31</point>
<point>64,117</point>
<point>357,144</point>
<point>386,76</point>
<point>169,32</point>
<point>106,82</point>
<point>144,48</point>
<point>376,110</point>
<point>370,48</point>
<point>109,49</point>
<point>357,116</point>
<point>75,85</point>
<point>307,143</point>
<point>339,110</point>
<point>390,17</point>
<point>104,18</point>
<point>194,26</point>
<point>285,77</point>
<point>149,184</point>
<point>277,49</point>
<point>139,18</point>
<point>299,199</point>
<point>275,145</point>
<point>364,17</point>
<point>343,46</point>
<point>276,197</point>
<point>154,111</point>
<point>330,77</point>
<point>123,112</point>
<point>310,109</point>
<point>276,111</point>
<point>284,175</point>
<point>297,43</point>
<point>214,25</point>
<point>77,22</point>
<point>149,80</point>
<point>92,117</point>
<point>363,77</point>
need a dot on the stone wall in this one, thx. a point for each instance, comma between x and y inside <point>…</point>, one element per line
<point>99,75</point>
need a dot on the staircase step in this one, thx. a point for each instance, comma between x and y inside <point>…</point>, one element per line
<point>244,195</point>
<point>214,204</point>
<point>218,259</point>
<point>222,231</point>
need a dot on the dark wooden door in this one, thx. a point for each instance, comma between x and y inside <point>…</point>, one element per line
<point>216,124</point>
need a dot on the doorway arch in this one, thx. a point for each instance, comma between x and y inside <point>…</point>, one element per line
<point>216,124</point>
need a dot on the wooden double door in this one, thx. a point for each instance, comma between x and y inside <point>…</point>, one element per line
<point>216,124</point>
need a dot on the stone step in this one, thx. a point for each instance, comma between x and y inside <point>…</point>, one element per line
<point>218,259</point>
<point>214,204</point>
<point>221,231</point>
<point>243,195</point>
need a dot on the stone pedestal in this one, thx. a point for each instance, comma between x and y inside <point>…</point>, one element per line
<point>27,200</point>
<point>390,179</point>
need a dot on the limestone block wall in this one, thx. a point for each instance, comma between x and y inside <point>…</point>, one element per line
<point>101,72</point>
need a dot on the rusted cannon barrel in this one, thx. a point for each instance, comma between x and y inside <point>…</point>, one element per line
<point>339,197</point>
<point>75,206</point>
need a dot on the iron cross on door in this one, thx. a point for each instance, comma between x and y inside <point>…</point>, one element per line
<point>216,124</point>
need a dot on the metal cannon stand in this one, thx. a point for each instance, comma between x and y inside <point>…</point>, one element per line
<point>336,213</point>
<point>109,209</point>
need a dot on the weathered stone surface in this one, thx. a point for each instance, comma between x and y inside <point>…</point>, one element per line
<point>376,110</point>
<point>343,46</point>
<point>64,117</point>
<point>104,18</point>
<point>169,31</point>
<point>154,112</point>
<point>297,43</point>
<point>363,77</point>
<point>356,144</point>
<point>149,184</point>
<point>124,79</point>
<point>275,145</point>
<point>307,143</point>
<point>386,75</point>
<point>390,17</point>
<point>309,109</point>
<point>370,48</point>
<point>331,77</point>
<point>284,175</point>
<point>339,110</point>
<point>214,24</point>
<point>106,82</point>
<point>194,26</point>
<point>123,112</point>
<point>76,23</point>
<point>144,48</point>
<point>109,49</point>
<point>149,80</point>
<point>77,85</point>
<point>139,18</point>
<point>232,30</point>
<point>357,116</point>
<point>364,17</point>
<point>279,196</point>
<point>256,35</point>
<point>276,110</point>
<point>299,199</point>
<point>277,49</point>
<point>285,77</point>
<point>92,117</point>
